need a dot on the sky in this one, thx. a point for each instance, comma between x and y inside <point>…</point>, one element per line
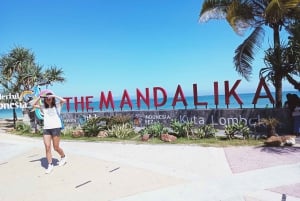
<point>113,45</point>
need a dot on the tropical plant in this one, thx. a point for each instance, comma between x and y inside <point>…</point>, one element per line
<point>233,130</point>
<point>121,131</point>
<point>184,129</point>
<point>155,130</point>
<point>19,71</point>
<point>118,119</point>
<point>92,126</point>
<point>23,128</point>
<point>13,65</point>
<point>244,14</point>
<point>269,72</point>
<point>30,76</point>
<point>144,131</point>
<point>271,123</point>
<point>177,128</point>
<point>206,131</point>
<point>54,74</point>
<point>294,52</point>
<point>290,59</point>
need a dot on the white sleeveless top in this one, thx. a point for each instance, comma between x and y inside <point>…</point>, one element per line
<point>51,118</point>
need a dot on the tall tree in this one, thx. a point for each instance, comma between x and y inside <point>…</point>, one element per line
<point>13,65</point>
<point>288,62</point>
<point>54,74</point>
<point>256,14</point>
<point>19,71</point>
<point>30,76</point>
<point>294,53</point>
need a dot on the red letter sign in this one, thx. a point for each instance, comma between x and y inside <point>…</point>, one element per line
<point>125,100</point>
<point>107,101</point>
<point>164,93</point>
<point>140,96</point>
<point>195,92</point>
<point>261,84</point>
<point>228,93</point>
<point>176,98</point>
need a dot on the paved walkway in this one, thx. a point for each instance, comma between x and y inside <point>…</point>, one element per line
<point>102,171</point>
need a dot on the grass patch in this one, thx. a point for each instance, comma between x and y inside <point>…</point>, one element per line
<point>219,141</point>
<point>210,142</point>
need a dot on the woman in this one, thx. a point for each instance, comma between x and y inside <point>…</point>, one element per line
<point>52,126</point>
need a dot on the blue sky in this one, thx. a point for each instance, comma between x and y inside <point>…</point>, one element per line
<point>112,45</point>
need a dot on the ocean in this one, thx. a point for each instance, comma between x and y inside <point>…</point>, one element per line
<point>245,97</point>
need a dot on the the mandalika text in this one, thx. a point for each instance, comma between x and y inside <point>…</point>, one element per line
<point>107,101</point>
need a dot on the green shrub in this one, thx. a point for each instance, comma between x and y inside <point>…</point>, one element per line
<point>120,131</point>
<point>206,131</point>
<point>183,129</point>
<point>271,123</point>
<point>23,128</point>
<point>178,128</point>
<point>118,119</point>
<point>92,126</point>
<point>155,130</point>
<point>237,129</point>
<point>67,131</point>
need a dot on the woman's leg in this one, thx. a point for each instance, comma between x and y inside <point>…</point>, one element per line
<point>47,143</point>
<point>56,140</point>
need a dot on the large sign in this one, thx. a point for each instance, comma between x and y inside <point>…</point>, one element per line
<point>11,101</point>
<point>219,118</point>
<point>106,101</point>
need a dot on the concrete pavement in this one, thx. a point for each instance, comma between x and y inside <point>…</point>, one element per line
<point>105,171</point>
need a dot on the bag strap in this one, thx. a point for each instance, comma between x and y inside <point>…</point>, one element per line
<point>58,113</point>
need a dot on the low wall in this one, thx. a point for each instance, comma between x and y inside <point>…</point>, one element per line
<point>218,117</point>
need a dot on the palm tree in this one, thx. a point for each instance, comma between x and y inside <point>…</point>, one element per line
<point>294,52</point>
<point>271,124</point>
<point>245,14</point>
<point>31,76</point>
<point>13,65</point>
<point>20,72</point>
<point>289,68</point>
<point>54,74</point>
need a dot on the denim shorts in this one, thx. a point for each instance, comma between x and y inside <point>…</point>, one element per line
<point>52,131</point>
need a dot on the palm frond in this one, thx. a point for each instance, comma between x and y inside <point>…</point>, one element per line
<point>290,4</point>
<point>275,12</point>
<point>278,11</point>
<point>293,82</point>
<point>239,16</point>
<point>54,74</point>
<point>267,74</point>
<point>244,54</point>
<point>213,9</point>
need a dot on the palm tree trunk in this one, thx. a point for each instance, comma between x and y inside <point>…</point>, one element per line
<point>271,131</point>
<point>277,76</point>
<point>278,92</point>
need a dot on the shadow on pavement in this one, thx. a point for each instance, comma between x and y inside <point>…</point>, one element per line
<point>279,150</point>
<point>44,162</point>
